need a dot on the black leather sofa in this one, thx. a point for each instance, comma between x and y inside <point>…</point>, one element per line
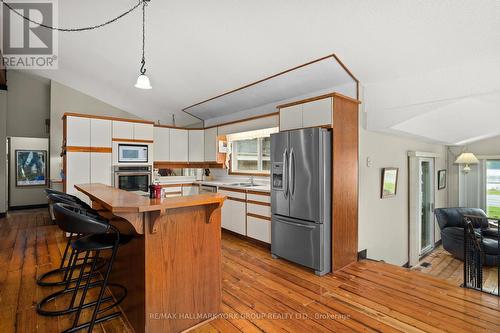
<point>451,222</point>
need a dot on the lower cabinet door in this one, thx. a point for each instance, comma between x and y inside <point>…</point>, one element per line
<point>234,216</point>
<point>226,214</point>
<point>259,229</point>
<point>101,168</point>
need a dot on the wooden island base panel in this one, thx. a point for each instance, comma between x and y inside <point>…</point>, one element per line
<point>172,266</point>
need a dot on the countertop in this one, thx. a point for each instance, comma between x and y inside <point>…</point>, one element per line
<point>120,201</point>
<point>217,183</point>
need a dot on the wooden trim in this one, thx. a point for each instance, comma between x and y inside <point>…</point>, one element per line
<point>81,115</point>
<point>316,98</point>
<point>236,199</point>
<point>232,189</point>
<point>245,120</point>
<point>78,149</point>
<point>327,126</point>
<point>259,203</point>
<point>257,216</point>
<point>268,194</point>
<point>273,76</point>
<point>200,165</point>
<point>181,128</point>
<point>248,173</point>
<point>132,140</point>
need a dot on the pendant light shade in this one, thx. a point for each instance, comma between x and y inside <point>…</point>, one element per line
<point>143,82</point>
<point>467,159</point>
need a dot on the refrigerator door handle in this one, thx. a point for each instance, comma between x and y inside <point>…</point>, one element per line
<point>292,172</point>
<point>285,173</point>
<point>298,224</point>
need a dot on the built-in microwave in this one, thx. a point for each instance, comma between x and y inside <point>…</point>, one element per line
<point>128,153</point>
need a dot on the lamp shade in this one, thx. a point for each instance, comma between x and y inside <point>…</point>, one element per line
<point>143,82</point>
<point>467,158</point>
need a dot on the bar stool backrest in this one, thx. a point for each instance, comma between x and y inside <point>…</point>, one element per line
<point>77,220</point>
<point>74,198</point>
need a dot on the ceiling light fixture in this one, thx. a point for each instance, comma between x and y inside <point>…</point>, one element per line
<point>143,81</point>
<point>467,159</point>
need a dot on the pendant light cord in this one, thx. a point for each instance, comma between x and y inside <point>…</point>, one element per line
<point>143,2</point>
<point>143,61</point>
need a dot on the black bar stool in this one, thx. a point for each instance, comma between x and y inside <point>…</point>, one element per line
<point>102,236</point>
<point>59,197</point>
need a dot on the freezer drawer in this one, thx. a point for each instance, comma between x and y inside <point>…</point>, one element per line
<point>298,241</point>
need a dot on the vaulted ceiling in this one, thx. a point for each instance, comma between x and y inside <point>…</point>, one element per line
<point>428,68</point>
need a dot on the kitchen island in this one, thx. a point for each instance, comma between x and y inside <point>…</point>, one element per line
<point>172,266</point>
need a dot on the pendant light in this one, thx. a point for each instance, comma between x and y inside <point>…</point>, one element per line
<point>143,80</point>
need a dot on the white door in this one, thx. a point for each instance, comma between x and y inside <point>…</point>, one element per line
<point>425,223</point>
<point>143,131</point>
<point>123,130</point>
<point>179,145</point>
<point>162,144</point>
<point>100,133</point>
<point>196,145</point>
<point>210,145</point>
<point>101,168</point>
<point>291,117</point>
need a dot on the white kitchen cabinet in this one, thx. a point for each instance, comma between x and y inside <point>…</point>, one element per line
<point>190,190</point>
<point>100,133</point>
<point>310,114</point>
<point>179,145</point>
<point>317,113</point>
<point>101,168</point>
<point>291,117</point>
<point>196,145</point>
<point>210,144</point>
<point>259,229</point>
<point>143,131</point>
<point>234,216</point>
<point>77,172</point>
<point>162,144</point>
<point>123,130</point>
<point>77,131</point>
<point>173,191</point>
<point>262,210</point>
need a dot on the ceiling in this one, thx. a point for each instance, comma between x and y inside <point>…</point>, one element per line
<point>199,49</point>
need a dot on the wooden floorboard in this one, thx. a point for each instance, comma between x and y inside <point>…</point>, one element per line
<point>261,294</point>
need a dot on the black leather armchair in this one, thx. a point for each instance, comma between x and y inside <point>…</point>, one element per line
<point>452,224</point>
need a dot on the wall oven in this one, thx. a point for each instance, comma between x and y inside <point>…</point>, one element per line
<point>133,178</point>
<point>128,153</point>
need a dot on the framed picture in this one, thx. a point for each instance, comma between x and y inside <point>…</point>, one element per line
<point>31,168</point>
<point>389,182</point>
<point>441,179</point>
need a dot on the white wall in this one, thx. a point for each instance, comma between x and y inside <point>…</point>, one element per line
<point>28,105</point>
<point>383,223</point>
<point>3,151</point>
<point>64,99</point>
<point>32,195</point>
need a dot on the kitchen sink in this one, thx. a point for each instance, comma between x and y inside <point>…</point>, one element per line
<point>243,184</point>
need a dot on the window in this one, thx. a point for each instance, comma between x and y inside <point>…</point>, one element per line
<point>251,151</point>
<point>493,188</point>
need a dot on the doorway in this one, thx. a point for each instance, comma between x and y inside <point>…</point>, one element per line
<point>425,223</point>
<point>421,202</point>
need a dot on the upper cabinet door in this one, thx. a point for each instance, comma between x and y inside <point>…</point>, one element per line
<point>211,144</point>
<point>123,130</point>
<point>78,131</point>
<point>100,133</point>
<point>162,144</point>
<point>196,144</point>
<point>179,145</point>
<point>317,113</point>
<point>291,117</point>
<point>143,131</point>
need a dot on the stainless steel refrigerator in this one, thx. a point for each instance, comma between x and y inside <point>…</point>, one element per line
<point>301,197</point>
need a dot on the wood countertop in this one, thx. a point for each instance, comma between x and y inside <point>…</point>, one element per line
<point>120,201</point>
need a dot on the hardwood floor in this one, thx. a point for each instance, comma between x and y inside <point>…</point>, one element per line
<point>259,294</point>
<point>444,266</point>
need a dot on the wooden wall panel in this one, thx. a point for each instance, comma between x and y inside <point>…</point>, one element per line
<point>345,182</point>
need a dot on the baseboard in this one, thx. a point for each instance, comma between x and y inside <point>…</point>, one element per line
<point>362,254</point>
<point>3,87</point>
<point>28,207</point>
<point>439,242</point>
<point>2,215</point>
<point>249,239</point>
